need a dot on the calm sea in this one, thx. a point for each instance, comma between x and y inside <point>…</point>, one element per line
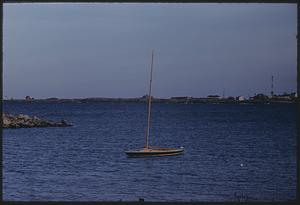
<point>232,153</point>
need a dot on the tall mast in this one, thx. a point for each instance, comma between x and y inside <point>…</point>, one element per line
<point>149,105</point>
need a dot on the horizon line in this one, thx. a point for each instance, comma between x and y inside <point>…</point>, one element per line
<point>182,96</point>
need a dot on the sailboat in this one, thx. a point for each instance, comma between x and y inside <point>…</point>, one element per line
<point>148,150</point>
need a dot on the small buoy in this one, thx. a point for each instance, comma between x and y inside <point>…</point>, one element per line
<point>242,164</point>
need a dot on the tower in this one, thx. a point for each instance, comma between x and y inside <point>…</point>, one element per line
<point>272,87</point>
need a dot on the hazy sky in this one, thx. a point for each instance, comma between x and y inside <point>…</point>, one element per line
<point>104,50</point>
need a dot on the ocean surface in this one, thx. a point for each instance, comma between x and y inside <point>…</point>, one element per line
<point>233,152</point>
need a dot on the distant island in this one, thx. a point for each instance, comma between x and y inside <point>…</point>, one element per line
<point>257,98</point>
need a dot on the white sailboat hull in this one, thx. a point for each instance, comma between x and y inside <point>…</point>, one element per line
<point>155,151</point>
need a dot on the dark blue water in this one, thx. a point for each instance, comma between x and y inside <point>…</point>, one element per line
<point>233,152</point>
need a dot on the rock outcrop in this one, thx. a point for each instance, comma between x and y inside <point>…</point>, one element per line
<point>24,121</point>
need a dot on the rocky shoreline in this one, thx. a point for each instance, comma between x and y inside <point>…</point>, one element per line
<point>25,121</point>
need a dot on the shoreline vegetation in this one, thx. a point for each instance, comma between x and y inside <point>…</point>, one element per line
<point>260,98</point>
<point>24,121</point>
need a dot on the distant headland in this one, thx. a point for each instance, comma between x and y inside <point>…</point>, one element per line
<point>257,98</point>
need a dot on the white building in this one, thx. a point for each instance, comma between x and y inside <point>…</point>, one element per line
<point>240,98</point>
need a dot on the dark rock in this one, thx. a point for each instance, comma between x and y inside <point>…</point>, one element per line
<point>24,121</point>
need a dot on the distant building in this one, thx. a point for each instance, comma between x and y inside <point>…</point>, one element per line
<point>240,98</point>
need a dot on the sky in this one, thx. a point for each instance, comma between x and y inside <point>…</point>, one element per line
<point>76,50</point>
